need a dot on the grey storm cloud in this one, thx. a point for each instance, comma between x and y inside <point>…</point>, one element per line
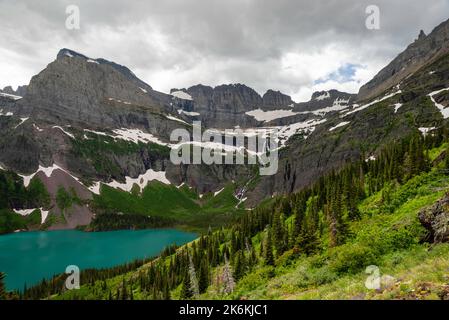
<point>278,44</point>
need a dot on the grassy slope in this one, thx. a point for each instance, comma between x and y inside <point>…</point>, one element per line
<point>388,236</point>
<point>181,204</point>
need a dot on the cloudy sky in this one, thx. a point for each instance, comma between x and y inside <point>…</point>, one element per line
<point>293,46</point>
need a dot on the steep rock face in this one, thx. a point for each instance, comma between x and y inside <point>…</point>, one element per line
<point>224,106</point>
<point>273,100</point>
<point>357,130</point>
<point>436,220</point>
<point>77,90</point>
<point>421,52</point>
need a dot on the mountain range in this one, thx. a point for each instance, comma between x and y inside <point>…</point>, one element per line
<point>91,127</point>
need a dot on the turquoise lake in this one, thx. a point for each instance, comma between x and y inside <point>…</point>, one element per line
<point>28,257</point>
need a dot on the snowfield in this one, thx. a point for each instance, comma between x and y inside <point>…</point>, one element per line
<point>141,180</point>
<point>132,135</point>
<point>267,116</point>
<point>137,135</point>
<point>338,105</point>
<point>182,95</point>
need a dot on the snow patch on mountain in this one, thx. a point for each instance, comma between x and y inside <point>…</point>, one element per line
<point>261,115</point>
<point>216,193</point>
<point>48,171</point>
<point>324,96</point>
<point>338,105</point>
<point>305,127</point>
<point>189,113</point>
<point>142,180</point>
<point>182,95</point>
<point>10,96</point>
<point>62,129</point>
<point>341,124</point>
<point>425,130</point>
<point>397,106</point>
<point>132,135</point>
<point>170,117</point>
<point>26,212</point>
<point>37,128</point>
<point>444,111</point>
<point>22,120</point>
<point>136,136</point>
<point>7,114</point>
<point>357,109</point>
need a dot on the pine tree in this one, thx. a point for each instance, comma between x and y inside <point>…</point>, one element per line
<point>278,233</point>
<point>185,287</point>
<point>203,281</point>
<point>124,295</point>
<point>228,278</point>
<point>194,288</point>
<point>268,248</point>
<point>446,160</point>
<point>2,286</point>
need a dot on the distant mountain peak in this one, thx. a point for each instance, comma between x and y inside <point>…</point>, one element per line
<point>70,53</point>
<point>421,35</point>
<point>421,52</point>
<point>122,69</point>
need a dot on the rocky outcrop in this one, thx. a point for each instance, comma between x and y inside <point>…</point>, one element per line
<point>273,100</point>
<point>423,51</point>
<point>325,99</point>
<point>21,90</point>
<point>224,106</point>
<point>436,220</point>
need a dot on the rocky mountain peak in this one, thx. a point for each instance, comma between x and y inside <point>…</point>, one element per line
<point>64,53</point>
<point>76,88</point>
<point>421,35</point>
<point>276,100</point>
<point>421,52</point>
<point>21,90</point>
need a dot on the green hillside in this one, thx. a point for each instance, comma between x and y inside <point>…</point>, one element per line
<point>183,206</point>
<point>313,244</point>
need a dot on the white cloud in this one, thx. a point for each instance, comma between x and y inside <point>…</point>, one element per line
<point>282,45</point>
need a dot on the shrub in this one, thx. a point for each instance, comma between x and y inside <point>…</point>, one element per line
<point>351,258</point>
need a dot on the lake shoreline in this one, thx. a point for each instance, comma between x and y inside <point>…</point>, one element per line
<point>50,252</point>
